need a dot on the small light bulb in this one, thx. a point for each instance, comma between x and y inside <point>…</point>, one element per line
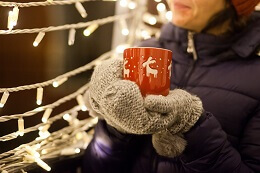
<point>46,115</point>
<point>123,26</point>
<point>84,108</point>
<point>39,109</point>
<point>81,9</point>
<point>55,84</point>
<point>21,126</point>
<point>169,15</point>
<point>132,5</point>
<point>67,117</point>
<point>72,33</point>
<point>4,99</point>
<point>10,23</point>
<point>152,20</point>
<point>44,151</point>
<point>42,164</point>
<point>125,31</point>
<point>145,34</point>
<point>161,7</point>
<point>38,39</point>
<point>44,128</point>
<point>15,15</point>
<point>77,150</point>
<point>89,30</point>
<point>157,0</point>
<point>81,103</point>
<point>39,96</point>
<point>123,3</point>
<point>120,48</point>
<point>32,151</point>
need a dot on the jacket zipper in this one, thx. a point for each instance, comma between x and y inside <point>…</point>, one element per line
<point>191,50</point>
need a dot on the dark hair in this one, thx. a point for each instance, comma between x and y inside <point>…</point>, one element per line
<point>228,14</point>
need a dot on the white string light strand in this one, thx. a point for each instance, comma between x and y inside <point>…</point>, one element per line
<point>53,105</point>
<point>66,75</point>
<point>43,3</point>
<point>52,139</point>
<point>43,108</point>
<point>68,26</point>
<point>36,127</point>
<point>13,160</point>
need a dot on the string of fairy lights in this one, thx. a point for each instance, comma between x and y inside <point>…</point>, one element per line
<point>136,24</point>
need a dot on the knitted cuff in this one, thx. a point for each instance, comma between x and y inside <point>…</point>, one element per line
<point>167,144</point>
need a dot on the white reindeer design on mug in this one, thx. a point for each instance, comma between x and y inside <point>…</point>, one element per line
<point>170,70</point>
<point>149,70</point>
<point>126,71</point>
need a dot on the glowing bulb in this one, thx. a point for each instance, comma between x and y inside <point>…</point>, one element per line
<point>32,151</point>
<point>39,109</point>
<point>84,108</point>
<point>125,31</point>
<point>121,48</point>
<point>39,96</point>
<point>67,117</point>
<point>89,30</point>
<point>4,99</point>
<point>81,9</point>
<point>38,146</point>
<point>123,3</point>
<point>42,164</point>
<point>157,0</point>
<point>152,20</point>
<point>46,115</point>
<point>169,15</point>
<point>72,33</point>
<point>124,28</point>
<point>44,135</point>
<point>77,150</point>
<point>59,82</point>
<point>10,23</point>
<point>38,39</point>
<point>21,126</point>
<point>44,128</point>
<point>132,5</point>
<point>145,34</point>
<point>161,7</point>
<point>44,151</point>
<point>79,136</point>
<point>81,103</point>
<point>15,16</point>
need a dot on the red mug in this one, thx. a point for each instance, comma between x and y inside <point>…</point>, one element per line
<point>149,68</point>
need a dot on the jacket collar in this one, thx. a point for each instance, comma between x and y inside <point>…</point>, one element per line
<point>211,48</point>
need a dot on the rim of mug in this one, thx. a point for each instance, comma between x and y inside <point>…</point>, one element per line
<point>148,48</point>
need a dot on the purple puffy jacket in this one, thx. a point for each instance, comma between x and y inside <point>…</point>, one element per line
<point>225,74</point>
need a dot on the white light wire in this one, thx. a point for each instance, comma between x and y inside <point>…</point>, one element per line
<point>66,75</point>
<point>68,26</point>
<point>42,3</point>
<point>12,160</point>
<point>60,101</point>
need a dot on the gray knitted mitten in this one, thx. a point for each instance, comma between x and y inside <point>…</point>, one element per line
<point>187,109</point>
<point>121,104</point>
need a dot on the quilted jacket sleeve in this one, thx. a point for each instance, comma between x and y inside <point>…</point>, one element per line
<point>250,142</point>
<point>208,149</point>
<point>109,150</point>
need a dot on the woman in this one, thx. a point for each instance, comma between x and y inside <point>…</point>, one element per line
<point>214,45</point>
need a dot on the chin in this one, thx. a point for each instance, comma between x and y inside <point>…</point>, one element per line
<point>179,22</point>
